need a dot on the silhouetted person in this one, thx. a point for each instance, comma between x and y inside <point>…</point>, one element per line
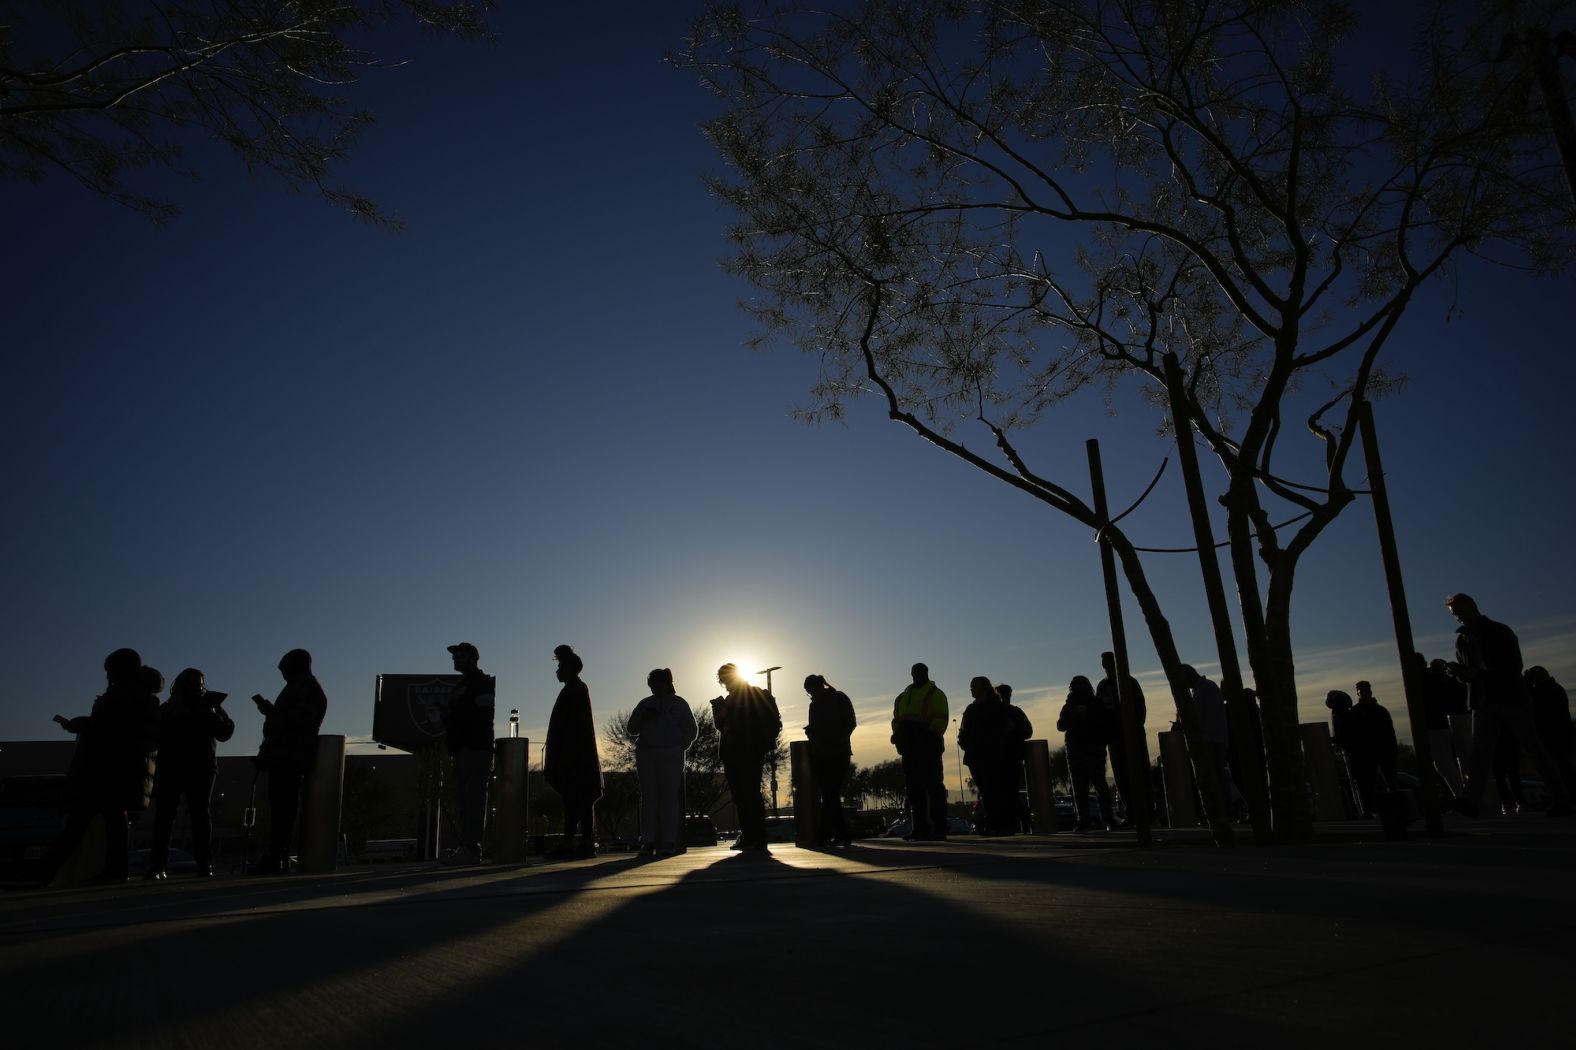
<point>747,726</point>
<point>663,727</point>
<point>1443,696</point>
<point>1115,742</point>
<point>1488,659</point>
<point>468,732</point>
<point>109,775</point>
<point>571,764</point>
<point>1551,715</point>
<point>1371,749</point>
<point>919,725</point>
<point>984,736</point>
<point>1082,722</point>
<point>1017,750</point>
<point>192,724</point>
<point>1210,703</point>
<point>1507,775</point>
<point>830,731</point>
<point>1340,704</point>
<point>290,725</point>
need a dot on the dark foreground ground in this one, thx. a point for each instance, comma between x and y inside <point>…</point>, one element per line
<point>1465,940</point>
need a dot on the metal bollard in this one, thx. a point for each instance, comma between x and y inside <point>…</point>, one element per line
<point>1042,797</point>
<point>511,793</point>
<point>1180,809</point>
<point>1319,756</point>
<point>321,796</point>
<point>805,817</point>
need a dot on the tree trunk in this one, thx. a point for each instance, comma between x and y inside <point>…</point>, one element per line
<point>1293,814</point>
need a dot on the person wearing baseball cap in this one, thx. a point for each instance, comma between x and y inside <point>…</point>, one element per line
<point>468,730</point>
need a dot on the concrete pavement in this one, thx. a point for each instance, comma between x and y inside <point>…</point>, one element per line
<point>1457,940</point>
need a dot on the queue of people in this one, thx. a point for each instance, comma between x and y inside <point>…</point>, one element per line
<point>134,752</point>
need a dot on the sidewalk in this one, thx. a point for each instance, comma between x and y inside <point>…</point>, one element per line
<point>1352,941</point>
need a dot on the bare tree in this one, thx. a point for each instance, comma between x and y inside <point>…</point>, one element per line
<point>976,210</point>
<point>99,89</point>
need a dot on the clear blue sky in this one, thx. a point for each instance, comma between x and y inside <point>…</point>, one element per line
<point>530,419</point>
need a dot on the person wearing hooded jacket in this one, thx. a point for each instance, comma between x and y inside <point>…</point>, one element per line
<point>830,730</point>
<point>290,725</point>
<point>985,737</point>
<point>664,728</point>
<point>111,770</point>
<point>192,724</point>
<point>1082,723</point>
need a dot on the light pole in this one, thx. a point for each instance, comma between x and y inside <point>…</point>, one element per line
<point>772,758</point>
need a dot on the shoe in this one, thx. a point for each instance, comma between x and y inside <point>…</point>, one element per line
<point>204,871</point>
<point>583,852</point>
<point>646,851</point>
<point>155,875</point>
<point>736,845</point>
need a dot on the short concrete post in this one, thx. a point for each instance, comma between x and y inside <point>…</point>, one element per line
<point>1181,812</point>
<point>320,803</point>
<point>1042,798</point>
<point>511,795</point>
<point>1319,758</point>
<point>805,817</point>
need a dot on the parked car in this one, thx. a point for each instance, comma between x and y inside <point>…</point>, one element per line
<point>32,812</point>
<point>699,830</point>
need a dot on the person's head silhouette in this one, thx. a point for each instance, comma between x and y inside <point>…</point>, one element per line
<point>122,664</point>
<point>981,689</point>
<point>921,674</point>
<point>1463,608</point>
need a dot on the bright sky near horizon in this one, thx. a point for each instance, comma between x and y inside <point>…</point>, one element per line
<point>530,419</point>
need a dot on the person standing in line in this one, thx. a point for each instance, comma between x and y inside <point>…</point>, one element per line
<point>290,725</point>
<point>1441,699</point>
<point>1488,659</point>
<point>1115,739</point>
<point>830,732</point>
<point>468,732</point>
<point>919,726</point>
<point>192,725</point>
<point>109,774</point>
<point>1080,722</point>
<point>1372,749</point>
<point>985,736</point>
<point>664,728</point>
<point>1551,716</point>
<point>571,764</point>
<point>1019,732</point>
<point>747,723</point>
<point>1210,703</point>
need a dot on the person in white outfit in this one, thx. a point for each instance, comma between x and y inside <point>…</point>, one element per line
<point>663,727</point>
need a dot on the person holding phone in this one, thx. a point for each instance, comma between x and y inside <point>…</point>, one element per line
<point>290,725</point>
<point>192,724</point>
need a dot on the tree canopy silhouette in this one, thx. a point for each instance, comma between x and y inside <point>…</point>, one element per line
<point>100,89</point>
<point>976,210</point>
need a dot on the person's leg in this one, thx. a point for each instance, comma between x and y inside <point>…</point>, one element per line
<point>1119,774</point>
<point>166,802</point>
<point>670,797</point>
<point>833,825</point>
<point>1518,718</point>
<point>199,809</point>
<point>917,800</point>
<point>1486,726</point>
<point>648,772</point>
<point>1442,742</point>
<point>284,801</point>
<point>936,790</point>
<point>475,768</point>
<point>1102,792</point>
<point>1079,769</point>
<point>117,844</point>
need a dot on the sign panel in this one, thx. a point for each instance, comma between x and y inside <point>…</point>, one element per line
<point>408,709</point>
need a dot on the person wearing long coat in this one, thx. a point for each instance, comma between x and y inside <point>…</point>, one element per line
<point>290,724</point>
<point>663,727</point>
<point>571,764</point>
<point>192,724</point>
<point>111,773</point>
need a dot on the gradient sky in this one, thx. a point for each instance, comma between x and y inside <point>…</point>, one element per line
<point>530,419</point>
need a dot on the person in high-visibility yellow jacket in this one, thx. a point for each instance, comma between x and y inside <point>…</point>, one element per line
<point>919,722</point>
